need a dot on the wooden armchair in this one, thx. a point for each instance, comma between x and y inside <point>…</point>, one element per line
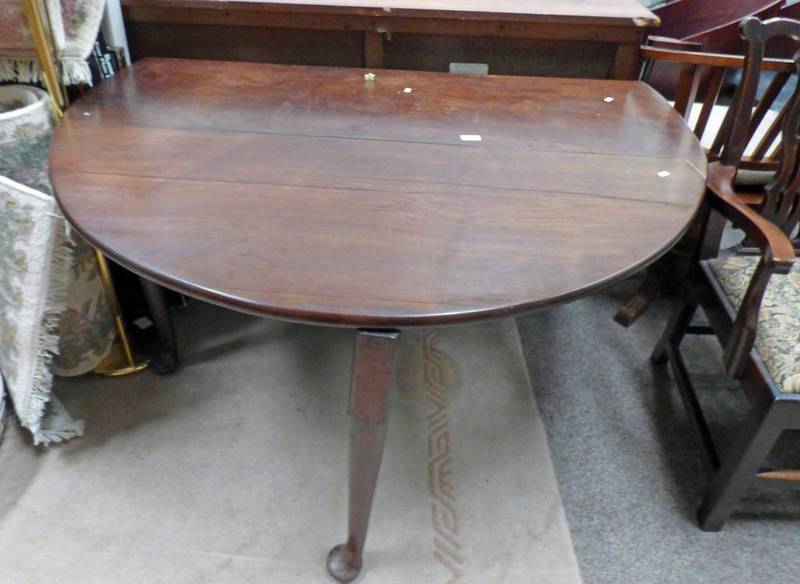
<point>752,301</point>
<point>696,81</point>
<point>697,94</point>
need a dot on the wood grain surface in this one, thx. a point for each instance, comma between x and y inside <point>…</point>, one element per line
<point>604,12</point>
<point>313,194</point>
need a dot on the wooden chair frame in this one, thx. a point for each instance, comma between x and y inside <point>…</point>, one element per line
<point>767,225</point>
<point>701,77</point>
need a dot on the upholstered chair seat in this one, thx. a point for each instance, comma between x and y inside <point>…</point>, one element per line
<point>778,335</point>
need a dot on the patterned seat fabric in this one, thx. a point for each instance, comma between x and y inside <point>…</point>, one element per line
<point>778,335</point>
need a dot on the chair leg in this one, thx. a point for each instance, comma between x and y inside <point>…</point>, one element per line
<point>676,328</point>
<point>166,360</point>
<point>373,367</point>
<point>691,405</point>
<point>668,350</point>
<point>740,464</point>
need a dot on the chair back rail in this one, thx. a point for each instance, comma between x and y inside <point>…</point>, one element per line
<point>701,78</point>
<point>781,194</point>
<point>780,206</point>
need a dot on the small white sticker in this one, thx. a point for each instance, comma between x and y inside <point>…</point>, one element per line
<point>143,322</point>
<point>608,99</point>
<point>408,90</point>
<point>470,137</point>
<point>664,173</point>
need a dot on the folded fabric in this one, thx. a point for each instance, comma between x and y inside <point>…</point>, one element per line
<point>74,25</point>
<point>54,315</point>
<point>34,270</point>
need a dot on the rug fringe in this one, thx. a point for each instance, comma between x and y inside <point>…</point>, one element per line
<point>74,71</point>
<point>20,70</point>
<point>56,304</point>
<point>51,436</point>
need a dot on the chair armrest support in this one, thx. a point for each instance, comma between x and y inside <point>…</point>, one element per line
<point>777,257</point>
<point>779,254</point>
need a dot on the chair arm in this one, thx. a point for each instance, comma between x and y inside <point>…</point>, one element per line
<point>778,250</point>
<point>777,257</point>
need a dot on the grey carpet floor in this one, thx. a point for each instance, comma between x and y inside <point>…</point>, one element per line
<point>630,470</point>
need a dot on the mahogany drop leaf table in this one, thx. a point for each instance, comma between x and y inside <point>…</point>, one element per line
<point>376,202</point>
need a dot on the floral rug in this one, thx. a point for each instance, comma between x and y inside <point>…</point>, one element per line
<point>54,316</point>
<point>74,25</point>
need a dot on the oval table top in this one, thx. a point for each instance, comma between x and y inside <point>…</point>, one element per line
<point>317,194</point>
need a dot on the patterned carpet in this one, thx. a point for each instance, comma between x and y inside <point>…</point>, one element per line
<point>233,470</point>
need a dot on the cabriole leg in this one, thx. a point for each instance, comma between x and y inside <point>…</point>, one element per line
<point>373,366</point>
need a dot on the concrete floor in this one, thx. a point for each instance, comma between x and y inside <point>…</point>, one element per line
<point>234,469</point>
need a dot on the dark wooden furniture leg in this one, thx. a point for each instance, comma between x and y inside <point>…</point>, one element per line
<point>166,360</point>
<point>627,61</point>
<point>373,49</point>
<point>673,334</point>
<point>741,463</point>
<point>373,366</point>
